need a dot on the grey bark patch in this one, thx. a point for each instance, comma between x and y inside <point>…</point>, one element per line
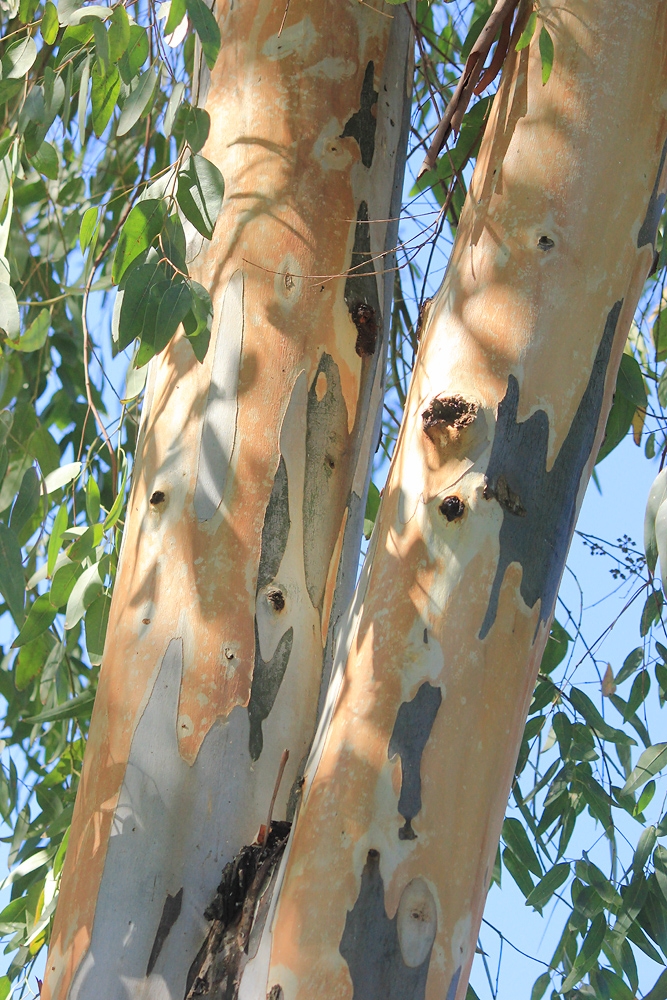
<point>371,948</point>
<point>453,986</point>
<point>539,539</point>
<point>412,729</point>
<point>276,528</point>
<point>219,425</point>
<point>649,228</point>
<point>361,287</point>
<point>362,124</point>
<point>325,476</point>
<point>170,914</point>
<point>266,681</point>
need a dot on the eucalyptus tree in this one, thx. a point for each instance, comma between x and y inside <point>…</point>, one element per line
<point>238,177</point>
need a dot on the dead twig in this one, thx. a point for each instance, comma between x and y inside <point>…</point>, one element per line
<point>473,80</point>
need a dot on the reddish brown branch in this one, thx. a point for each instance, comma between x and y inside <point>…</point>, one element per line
<point>471,77</point>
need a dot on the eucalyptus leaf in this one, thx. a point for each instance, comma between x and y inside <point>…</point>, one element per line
<point>104,93</point>
<point>200,192</point>
<point>142,226</point>
<point>88,586</point>
<point>651,761</point>
<point>40,618</point>
<point>27,500</point>
<point>138,101</point>
<point>207,28</point>
<point>12,585</point>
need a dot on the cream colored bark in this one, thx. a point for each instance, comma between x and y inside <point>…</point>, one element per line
<point>384,880</point>
<point>242,537</point>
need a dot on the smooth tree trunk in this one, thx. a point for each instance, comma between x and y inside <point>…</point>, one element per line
<point>242,536</point>
<point>381,890</point>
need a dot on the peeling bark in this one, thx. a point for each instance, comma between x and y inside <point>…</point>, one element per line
<point>244,522</point>
<point>506,411</point>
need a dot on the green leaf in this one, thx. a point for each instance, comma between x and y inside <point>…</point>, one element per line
<point>196,128</point>
<point>46,161</point>
<point>540,985</point>
<point>26,502</point>
<point>85,590</point>
<point>55,540</point>
<point>645,798</point>
<point>177,10</point>
<point>119,33</point>
<point>546,887</point>
<point>207,28</point>
<point>546,54</point>
<point>18,59</point>
<point>200,192</point>
<point>372,507</point>
<point>136,53</point>
<point>62,584</point>
<point>88,226</point>
<point>49,26</point>
<point>556,648</point>
<point>640,689</point>
<point>173,301</point>
<point>173,105</point>
<point>588,954</point>
<point>632,661</point>
<point>40,617</point>
<point>35,336</point>
<point>656,497</point>
<point>74,708</point>
<point>137,102</point>
<point>197,325</point>
<point>104,94</point>
<point>97,619</point>
<point>644,848</point>
<point>92,501</point>
<point>142,226</point>
<point>101,46</point>
<point>651,611</point>
<point>62,476</point>
<point>583,704</point>
<point>516,839</point>
<point>12,585</point>
<point>117,507</point>
<point>518,871</point>
<point>10,320</point>
<point>27,10</point>
<point>527,33</point>
<point>135,380</point>
<point>590,873</point>
<point>630,381</point>
<point>618,424</point>
<point>650,762</point>
<point>31,659</point>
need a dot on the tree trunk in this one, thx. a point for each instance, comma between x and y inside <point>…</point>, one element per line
<point>243,529</point>
<point>383,883</point>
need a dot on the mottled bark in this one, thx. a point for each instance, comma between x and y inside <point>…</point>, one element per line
<point>243,529</point>
<point>383,882</point>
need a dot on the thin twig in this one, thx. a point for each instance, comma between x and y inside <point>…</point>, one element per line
<point>282,23</point>
<point>283,762</point>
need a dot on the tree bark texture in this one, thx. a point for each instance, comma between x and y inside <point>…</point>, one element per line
<point>382,886</point>
<point>243,529</point>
